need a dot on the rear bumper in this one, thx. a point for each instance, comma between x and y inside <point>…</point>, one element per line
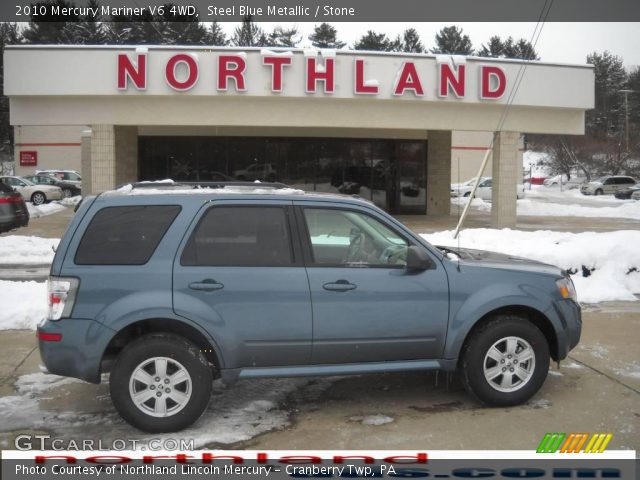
<point>79,352</point>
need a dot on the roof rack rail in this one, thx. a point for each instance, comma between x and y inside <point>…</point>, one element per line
<point>274,185</point>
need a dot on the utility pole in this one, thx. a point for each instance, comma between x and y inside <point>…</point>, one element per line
<point>626,117</point>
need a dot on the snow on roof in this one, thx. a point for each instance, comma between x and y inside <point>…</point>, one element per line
<point>169,187</point>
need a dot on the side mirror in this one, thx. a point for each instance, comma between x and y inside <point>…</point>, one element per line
<point>418,259</point>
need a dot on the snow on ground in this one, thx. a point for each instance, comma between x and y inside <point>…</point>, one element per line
<point>374,420</point>
<point>551,202</point>
<point>44,209</point>
<point>24,304</point>
<point>23,250</point>
<point>236,413</point>
<point>71,201</point>
<point>613,255</point>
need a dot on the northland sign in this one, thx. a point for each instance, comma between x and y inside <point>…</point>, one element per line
<point>182,73</point>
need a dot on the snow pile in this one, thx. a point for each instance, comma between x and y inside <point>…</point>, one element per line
<point>178,189</point>
<point>22,250</point>
<point>71,201</point>
<point>24,304</point>
<point>610,259</point>
<point>537,207</point>
<point>37,211</point>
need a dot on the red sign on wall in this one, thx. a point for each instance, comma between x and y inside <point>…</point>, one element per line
<point>28,159</point>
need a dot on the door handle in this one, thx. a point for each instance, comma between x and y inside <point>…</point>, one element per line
<point>339,286</point>
<point>206,285</point>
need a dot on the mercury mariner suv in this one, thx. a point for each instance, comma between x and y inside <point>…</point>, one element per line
<point>168,286</point>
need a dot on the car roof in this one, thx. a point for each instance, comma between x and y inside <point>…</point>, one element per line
<point>162,189</point>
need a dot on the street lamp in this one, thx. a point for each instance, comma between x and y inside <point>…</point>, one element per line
<point>626,116</point>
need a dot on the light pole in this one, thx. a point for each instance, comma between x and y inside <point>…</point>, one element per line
<point>626,117</point>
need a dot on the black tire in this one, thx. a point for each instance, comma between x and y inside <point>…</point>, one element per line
<point>599,192</point>
<point>474,355</point>
<point>176,349</point>
<point>38,198</point>
<point>467,194</point>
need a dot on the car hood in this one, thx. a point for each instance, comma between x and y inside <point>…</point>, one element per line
<point>484,258</point>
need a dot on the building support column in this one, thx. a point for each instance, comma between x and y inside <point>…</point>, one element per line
<point>438,172</point>
<point>114,157</point>
<point>506,173</point>
<point>85,161</point>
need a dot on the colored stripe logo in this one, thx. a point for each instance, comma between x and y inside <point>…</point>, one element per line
<point>574,443</point>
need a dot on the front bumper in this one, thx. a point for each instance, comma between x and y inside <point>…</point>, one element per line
<point>569,318</point>
<point>79,352</point>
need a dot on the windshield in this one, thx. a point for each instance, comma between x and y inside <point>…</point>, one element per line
<point>601,179</point>
<point>28,182</point>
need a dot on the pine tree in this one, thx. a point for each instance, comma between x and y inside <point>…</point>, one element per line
<point>50,28</point>
<point>411,41</point>
<point>509,48</point>
<point>325,36</point>
<point>248,34</point>
<point>216,35</point>
<point>605,120</point>
<point>451,40</point>
<point>90,30</point>
<point>633,83</point>
<point>283,37</point>
<point>374,41</point>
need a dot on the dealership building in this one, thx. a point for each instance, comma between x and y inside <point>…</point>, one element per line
<point>393,128</point>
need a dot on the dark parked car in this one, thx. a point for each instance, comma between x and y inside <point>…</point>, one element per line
<point>13,210</point>
<point>69,189</point>
<point>625,193</point>
<point>168,292</point>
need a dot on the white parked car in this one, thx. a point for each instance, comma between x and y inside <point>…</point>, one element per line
<point>636,195</point>
<point>464,189</point>
<point>484,189</point>
<point>607,185</point>
<point>36,194</point>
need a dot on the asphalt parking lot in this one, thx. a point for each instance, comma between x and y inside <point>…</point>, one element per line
<point>597,389</point>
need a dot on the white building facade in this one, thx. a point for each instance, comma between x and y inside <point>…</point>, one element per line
<point>393,128</point>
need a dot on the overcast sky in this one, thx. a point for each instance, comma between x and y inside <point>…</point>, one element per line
<point>559,42</point>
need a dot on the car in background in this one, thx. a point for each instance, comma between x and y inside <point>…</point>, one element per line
<point>607,185</point>
<point>36,194</point>
<point>69,189</point>
<point>67,175</point>
<point>13,210</point>
<point>625,193</point>
<point>257,171</point>
<point>635,195</point>
<point>484,190</point>
<point>464,189</point>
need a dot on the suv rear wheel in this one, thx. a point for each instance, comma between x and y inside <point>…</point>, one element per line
<point>505,362</point>
<point>161,383</point>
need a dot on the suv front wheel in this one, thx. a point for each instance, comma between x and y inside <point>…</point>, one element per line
<point>161,383</point>
<point>505,362</point>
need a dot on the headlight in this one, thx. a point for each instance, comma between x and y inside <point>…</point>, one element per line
<point>566,289</point>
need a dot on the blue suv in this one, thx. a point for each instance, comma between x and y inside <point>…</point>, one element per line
<point>169,286</point>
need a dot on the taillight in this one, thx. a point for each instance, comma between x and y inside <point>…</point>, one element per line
<point>11,199</point>
<point>61,292</point>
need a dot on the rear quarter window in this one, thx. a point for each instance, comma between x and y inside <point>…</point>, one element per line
<point>125,235</point>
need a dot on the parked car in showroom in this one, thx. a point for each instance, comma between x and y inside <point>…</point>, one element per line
<point>36,194</point>
<point>246,282</point>
<point>484,190</point>
<point>69,189</point>
<point>67,175</point>
<point>13,210</point>
<point>607,185</point>
<point>626,193</point>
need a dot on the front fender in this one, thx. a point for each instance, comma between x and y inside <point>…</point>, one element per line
<point>466,312</point>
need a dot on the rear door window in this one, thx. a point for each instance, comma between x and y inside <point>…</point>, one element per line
<point>125,235</point>
<point>241,236</point>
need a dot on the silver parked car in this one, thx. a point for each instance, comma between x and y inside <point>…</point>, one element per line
<point>36,194</point>
<point>635,195</point>
<point>607,185</point>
